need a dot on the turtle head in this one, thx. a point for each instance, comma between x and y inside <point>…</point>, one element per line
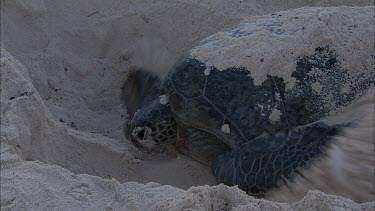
<point>152,127</point>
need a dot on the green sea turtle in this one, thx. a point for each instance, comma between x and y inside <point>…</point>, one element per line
<point>253,133</point>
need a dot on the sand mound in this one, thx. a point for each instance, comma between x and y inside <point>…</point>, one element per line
<point>62,115</point>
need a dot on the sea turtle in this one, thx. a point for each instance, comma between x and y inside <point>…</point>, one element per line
<point>253,134</point>
<point>223,120</point>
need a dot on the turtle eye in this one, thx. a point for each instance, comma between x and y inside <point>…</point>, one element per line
<point>141,134</point>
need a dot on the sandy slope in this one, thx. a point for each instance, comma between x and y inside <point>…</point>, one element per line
<point>29,133</point>
<point>62,114</point>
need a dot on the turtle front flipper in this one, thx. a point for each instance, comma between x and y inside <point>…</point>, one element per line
<point>141,88</point>
<point>268,160</point>
<point>199,145</point>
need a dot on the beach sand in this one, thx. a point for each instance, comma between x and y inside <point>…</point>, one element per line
<point>62,115</point>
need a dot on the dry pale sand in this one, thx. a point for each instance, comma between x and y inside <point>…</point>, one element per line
<point>63,64</point>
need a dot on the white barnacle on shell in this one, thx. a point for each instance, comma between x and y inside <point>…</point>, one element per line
<point>225,128</point>
<point>275,115</point>
<point>163,99</point>
<point>277,96</point>
<point>261,108</point>
<point>207,71</point>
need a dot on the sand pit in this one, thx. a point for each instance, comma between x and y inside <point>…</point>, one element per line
<point>62,115</point>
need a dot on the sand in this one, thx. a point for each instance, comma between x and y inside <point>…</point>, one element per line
<point>62,116</point>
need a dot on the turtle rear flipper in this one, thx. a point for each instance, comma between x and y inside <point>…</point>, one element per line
<point>141,88</point>
<point>268,160</point>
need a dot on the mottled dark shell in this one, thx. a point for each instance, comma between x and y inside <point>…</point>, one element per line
<point>205,98</point>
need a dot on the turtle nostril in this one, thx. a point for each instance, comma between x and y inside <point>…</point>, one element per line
<point>141,134</point>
